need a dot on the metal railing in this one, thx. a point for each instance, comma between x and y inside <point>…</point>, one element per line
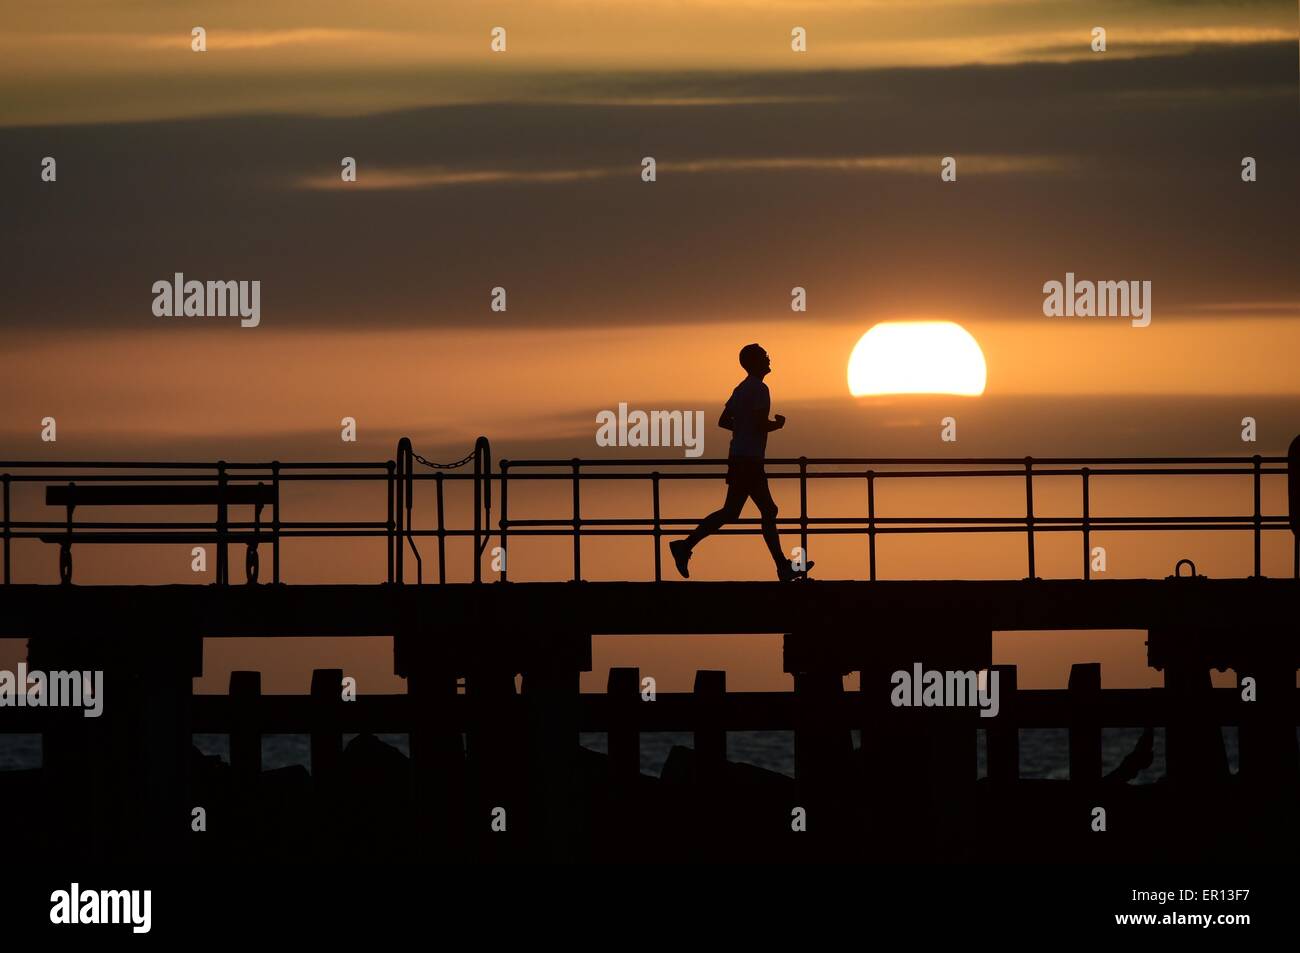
<point>872,472</point>
<point>402,529</point>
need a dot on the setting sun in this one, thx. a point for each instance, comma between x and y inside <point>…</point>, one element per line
<point>917,357</point>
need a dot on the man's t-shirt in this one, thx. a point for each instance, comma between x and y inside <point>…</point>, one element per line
<point>749,405</point>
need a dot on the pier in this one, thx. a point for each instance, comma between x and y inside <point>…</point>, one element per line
<point>480,741</point>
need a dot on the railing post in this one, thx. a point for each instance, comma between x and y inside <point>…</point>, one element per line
<point>1293,502</point>
<point>1087,529</point>
<point>1029,512</point>
<point>1258,517</point>
<point>577,523</point>
<point>871,525</point>
<point>408,501</point>
<point>483,501</point>
<point>6,528</point>
<point>65,551</point>
<point>442,529</point>
<point>400,505</point>
<point>478,515</point>
<point>223,568</point>
<point>392,524</point>
<point>504,522</point>
<point>275,524</point>
<point>803,507</point>
<point>658,532</point>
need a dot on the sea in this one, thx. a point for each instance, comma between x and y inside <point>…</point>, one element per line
<point>1044,753</point>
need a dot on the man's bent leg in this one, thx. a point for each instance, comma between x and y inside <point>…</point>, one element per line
<point>717,519</point>
<point>767,510</point>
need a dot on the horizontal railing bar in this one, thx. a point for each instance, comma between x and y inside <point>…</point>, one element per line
<point>881,461</point>
<point>264,526</point>
<point>1071,521</point>
<point>206,479</point>
<point>850,530</point>
<point>881,474</point>
<point>190,465</point>
<point>308,465</point>
<point>568,477</point>
<point>567,530</point>
<point>855,475</point>
<point>1193,521</point>
<point>658,462</point>
<point>111,465</point>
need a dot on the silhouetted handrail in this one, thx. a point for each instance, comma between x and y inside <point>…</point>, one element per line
<point>400,478</point>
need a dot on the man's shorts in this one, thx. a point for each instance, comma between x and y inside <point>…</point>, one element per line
<point>746,472</point>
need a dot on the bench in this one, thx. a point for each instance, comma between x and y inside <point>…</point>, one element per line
<point>222,496</point>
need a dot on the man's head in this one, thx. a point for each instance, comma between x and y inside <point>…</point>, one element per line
<point>755,360</point>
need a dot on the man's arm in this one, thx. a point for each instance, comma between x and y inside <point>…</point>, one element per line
<point>766,407</point>
<point>726,421</point>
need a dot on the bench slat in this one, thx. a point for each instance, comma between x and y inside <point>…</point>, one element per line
<point>184,536</point>
<point>165,495</point>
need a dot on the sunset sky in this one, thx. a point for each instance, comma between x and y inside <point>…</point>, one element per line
<point>522,170</point>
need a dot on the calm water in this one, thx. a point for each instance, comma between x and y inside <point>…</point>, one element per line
<point>1044,753</point>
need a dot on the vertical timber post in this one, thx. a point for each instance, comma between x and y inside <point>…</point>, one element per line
<point>551,695</point>
<point>1194,751</point>
<point>245,729</point>
<point>326,726</point>
<point>1084,690</point>
<point>624,694</point>
<point>822,743</point>
<point>710,733</point>
<point>1003,737</point>
<point>437,748</point>
<point>1267,733</point>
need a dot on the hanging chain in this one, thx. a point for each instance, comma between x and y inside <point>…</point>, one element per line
<point>443,466</point>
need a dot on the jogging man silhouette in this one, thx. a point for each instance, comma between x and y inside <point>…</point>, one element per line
<point>745,415</point>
